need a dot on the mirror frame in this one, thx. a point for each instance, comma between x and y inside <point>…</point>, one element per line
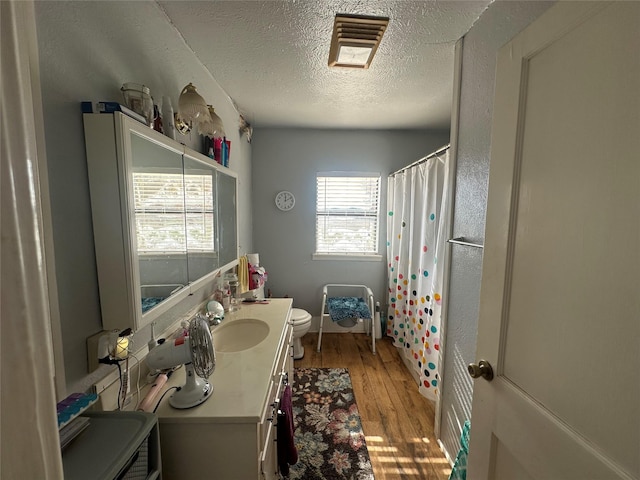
<point>109,161</point>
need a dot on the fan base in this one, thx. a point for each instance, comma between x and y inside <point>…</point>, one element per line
<point>188,398</point>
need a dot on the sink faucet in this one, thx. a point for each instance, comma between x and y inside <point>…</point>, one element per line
<point>212,318</point>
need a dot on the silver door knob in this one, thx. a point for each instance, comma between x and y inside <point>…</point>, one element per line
<point>481,369</point>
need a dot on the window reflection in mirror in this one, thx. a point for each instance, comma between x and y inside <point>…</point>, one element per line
<point>159,206</point>
<point>227,221</point>
<point>200,195</point>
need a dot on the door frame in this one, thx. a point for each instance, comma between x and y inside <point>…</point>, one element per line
<point>453,163</point>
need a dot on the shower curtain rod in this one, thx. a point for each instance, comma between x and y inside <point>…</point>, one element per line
<point>422,160</point>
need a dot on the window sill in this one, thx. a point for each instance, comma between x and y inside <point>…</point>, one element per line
<point>356,257</point>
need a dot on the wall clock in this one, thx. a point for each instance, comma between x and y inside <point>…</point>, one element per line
<point>285,201</point>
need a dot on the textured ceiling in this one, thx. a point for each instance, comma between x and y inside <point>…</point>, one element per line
<point>271,58</point>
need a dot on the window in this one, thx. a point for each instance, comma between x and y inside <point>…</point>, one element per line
<point>162,202</point>
<point>198,194</point>
<point>347,210</point>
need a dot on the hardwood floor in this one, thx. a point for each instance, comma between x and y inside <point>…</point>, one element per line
<point>397,420</point>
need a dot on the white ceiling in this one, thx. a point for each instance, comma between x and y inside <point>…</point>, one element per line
<point>271,58</point>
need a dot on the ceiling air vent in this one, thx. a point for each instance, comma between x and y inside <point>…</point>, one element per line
<point>355,40</point>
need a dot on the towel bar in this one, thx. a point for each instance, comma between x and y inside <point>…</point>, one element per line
<point>462,241</point>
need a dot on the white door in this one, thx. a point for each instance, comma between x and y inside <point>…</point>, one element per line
<point>560,302</point>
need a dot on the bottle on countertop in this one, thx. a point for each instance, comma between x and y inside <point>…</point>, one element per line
<point>218,294</point>
<point>234,291</point>
<point>226,295</point>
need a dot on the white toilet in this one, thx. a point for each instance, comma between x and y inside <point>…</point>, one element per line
<point>301,323</point>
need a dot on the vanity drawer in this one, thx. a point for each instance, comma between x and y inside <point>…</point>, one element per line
<point>279,380</point>
<point>284,356</point>
<point>270,415</point>
<point>269,453</point>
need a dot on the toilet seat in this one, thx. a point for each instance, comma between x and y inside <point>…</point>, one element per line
<point>299,316</point>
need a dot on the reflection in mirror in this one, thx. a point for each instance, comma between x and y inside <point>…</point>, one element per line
<point>159,206</point>
<point>227,219</point>
<point>199,184</point>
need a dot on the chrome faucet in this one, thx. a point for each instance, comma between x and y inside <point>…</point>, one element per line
<point>212,318</point>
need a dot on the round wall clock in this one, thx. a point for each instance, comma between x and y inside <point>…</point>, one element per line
<point>285,201</point>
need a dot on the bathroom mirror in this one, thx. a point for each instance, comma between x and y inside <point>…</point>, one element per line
<point>159,206</point>
<point>164,219</point>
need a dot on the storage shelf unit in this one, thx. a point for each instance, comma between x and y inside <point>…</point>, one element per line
<point>116,445</point>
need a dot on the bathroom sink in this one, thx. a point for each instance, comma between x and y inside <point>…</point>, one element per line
<point>239,335</point>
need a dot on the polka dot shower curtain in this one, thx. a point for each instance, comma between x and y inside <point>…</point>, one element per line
<point>417,225</point>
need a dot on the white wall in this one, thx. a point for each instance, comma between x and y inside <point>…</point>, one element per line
<point>87,51</point>
<point>288,159</point>
<point>498,24</point>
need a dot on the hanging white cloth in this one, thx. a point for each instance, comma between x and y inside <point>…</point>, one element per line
<point>417,225</point>
<point>30,443</point>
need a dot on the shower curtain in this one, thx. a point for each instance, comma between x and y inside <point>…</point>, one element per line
<point>417,225</point>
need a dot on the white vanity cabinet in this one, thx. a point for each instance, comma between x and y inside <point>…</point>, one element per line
<point>280,378</point>
<point>232,436</point>
<point>164,219</point>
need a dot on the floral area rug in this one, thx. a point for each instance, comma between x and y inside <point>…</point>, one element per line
<point>328,433</point>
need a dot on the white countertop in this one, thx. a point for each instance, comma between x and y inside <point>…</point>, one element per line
<point>242,379</point>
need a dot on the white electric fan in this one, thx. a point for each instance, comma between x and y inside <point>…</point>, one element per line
<point>197,354</point>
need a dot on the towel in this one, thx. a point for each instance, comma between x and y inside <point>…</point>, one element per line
<point>342,308</point>
<point>243,274</point>
<point>287,452</point>
<point>459,471</point>
<point>149,302</point>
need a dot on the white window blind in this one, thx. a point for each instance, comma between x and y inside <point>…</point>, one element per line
<point>199,206</point>
<point>173,211</point>
<point>347,213</point>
